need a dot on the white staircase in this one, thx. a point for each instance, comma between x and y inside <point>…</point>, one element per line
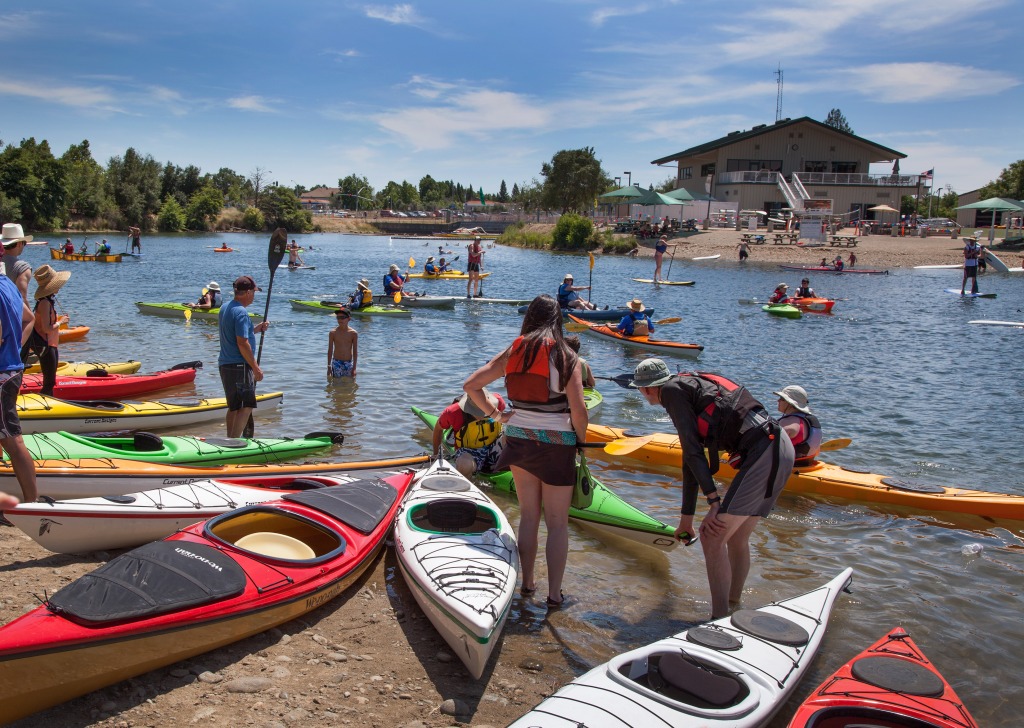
<point>795,201</point>
<point>799,188</point>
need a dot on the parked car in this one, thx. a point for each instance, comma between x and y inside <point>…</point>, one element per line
<point>387,213</point>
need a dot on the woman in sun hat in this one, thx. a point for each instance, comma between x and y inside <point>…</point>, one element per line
<point>363,296</point>
<point>636,322</point>
<point>45,336</point>
<point>779,294</point>
<point>209,298</point>
<point>803,428</point>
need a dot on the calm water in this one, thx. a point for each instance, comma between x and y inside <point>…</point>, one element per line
<point>897,368</point>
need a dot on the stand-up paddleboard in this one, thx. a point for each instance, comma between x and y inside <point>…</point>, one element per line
<point>938,267</point>
<point>302,267</point>
<point>664,283</point>
<point>955,292</point>
<point>1015,324</point>
<point>998,265</point>
<point>708,257</point>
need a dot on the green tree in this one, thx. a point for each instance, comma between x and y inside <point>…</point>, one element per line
<point>281,208</point>
<point>1010,183</point>
<point>133,182</point>
<point>572,232</point>
<point>836,120</point>
<point>32,179</point>
<point>83,183</point>
<point>573,179</point>
<point>531,196</point>
<point>231,184</point>
<point>515,190</point>
<point>253,220</point>
<point>350,187</point>
<point>503,192</point>
<point>203,207</point>
<point>171,217</point>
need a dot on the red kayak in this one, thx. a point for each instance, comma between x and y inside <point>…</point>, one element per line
<point>812,305</point>
<point>214,583</point>
<point>830,269</point>
<point>99,384</point>
<point>889,685</point>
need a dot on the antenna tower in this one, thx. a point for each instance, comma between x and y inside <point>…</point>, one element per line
<point>778,95</point>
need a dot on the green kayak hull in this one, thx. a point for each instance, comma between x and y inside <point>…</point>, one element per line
<point>332,306</point>
<point>177,310</point>
<point>148,447</point>
<point>784,310</point>
<point>608,513</point>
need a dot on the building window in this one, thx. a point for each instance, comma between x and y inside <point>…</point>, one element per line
<point>844,167</point>
<point>686,173</point>
<point>814,166</point>
<point>754,165</point>
<point>706,169</point>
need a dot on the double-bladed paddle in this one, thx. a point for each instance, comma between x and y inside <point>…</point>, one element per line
<point>275,254</point>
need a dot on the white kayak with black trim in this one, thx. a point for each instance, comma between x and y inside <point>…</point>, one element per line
<point>736,672</point>
<point>459,556</point>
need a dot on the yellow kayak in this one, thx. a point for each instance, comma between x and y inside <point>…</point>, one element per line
<point>39,413</point>
<point>821,478</point>
<point>82,368</point>
<point>452,275</point>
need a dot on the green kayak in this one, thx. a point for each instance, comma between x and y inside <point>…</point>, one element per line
<point>331,306</point>
<point>175,450</point>
<point>782,309</point>
<point>608,513</point>
<point>177,310</point>
<point>592,398</point>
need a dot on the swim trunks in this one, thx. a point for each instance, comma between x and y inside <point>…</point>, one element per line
<point>341,368</point>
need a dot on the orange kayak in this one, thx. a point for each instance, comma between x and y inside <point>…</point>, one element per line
<point>223,250</point>
<point>813,305</point>
<point>72,333</point>
<point>821,478</point>
<point>677,348</point>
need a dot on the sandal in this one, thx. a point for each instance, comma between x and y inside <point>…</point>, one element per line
<point>552,604</point>
<point>527,591</point>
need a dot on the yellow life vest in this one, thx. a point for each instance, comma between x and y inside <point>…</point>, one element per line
<point>478,433</point>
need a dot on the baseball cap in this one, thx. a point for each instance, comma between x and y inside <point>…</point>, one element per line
<point>246,283</point>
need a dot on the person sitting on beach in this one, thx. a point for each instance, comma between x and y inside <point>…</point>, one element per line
<point>477,438</point>
<point>568,296</point>
<point>394,281</point>
<point>636,322</point>
<point>838,262</point>
<point>69,247</point>
<point>780,294</point>
<point>805,290</point>
<point>803,428</point>
<point>363,296</point>
<point>342,347</point>
<point>209,298</point>
<point>430,268</point>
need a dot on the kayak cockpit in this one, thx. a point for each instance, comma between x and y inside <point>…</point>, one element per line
<point>276,534</point>
<point>452,515</point>
<point>841,717</point>
<point>686,681</point>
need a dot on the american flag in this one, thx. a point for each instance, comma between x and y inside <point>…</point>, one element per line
<point>929,174</point>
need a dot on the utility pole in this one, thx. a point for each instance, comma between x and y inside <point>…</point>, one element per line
<point>778,94</point>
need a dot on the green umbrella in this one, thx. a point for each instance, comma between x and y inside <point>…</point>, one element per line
<point>681,195</point>
<point>620,194</point>
<point>650,197</point>
<point>994,204</point>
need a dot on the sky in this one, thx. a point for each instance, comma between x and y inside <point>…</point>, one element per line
<point>311,91</point>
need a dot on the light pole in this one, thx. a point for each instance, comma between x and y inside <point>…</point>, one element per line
<point>618,182</point>
<point>629,178</point>
<point>357,199</point>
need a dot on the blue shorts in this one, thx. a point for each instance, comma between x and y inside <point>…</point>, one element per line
<point>484,457</point>
<point>341,368</point>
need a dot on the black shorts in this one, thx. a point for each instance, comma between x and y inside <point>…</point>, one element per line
<point>10,385</point>
<point>473,268</point>
<point>239,386</point>
<point>970,271</point>
<point>744,255</point>
<point>550,463</point>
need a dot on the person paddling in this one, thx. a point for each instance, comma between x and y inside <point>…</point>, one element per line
<point>569,297</point>
<point>636,322</point>
<point>805,290</point>
<point>780,294</point>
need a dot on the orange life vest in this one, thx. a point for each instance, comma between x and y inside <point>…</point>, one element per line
<point>528,383</point>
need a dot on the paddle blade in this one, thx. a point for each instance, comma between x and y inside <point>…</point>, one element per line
<point>575,328</point>
<point>837,444</point>
<point>669,320</point>
<point>397,297</point>
<point>626,445</point>
<point>412,262</point>
<point>622,380</point>
<point>188,314</point>
<point>275,253</point>
<point>591,261</point>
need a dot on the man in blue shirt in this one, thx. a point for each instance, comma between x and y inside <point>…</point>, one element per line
<point>239,370</point>
<point>636,322</point>
<point>16,321</point>
<point>568,296</point>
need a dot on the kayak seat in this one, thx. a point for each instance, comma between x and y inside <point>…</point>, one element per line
<point>276,546</point>
<point>711,685</point>
<point>97,373</point>
<point>147,442</point>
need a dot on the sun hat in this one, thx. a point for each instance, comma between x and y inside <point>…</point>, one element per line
<point>650,373</point>
<point>781,285</point>
<point>430,259</point>
<point>796,396</point>
<point>393,268</point>
<point>14,234</point>
<point>49,281</point>
<point>469,406</point>
<point>364,284</point>
<point>636,305</point>
<point>568,277</point>
<point>214,286</point>
<point>246,283</point>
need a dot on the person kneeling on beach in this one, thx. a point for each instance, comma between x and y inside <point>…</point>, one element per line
<point>477,439</point>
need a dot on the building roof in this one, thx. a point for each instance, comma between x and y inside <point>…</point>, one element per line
<point>760,129</point>
<point>320,193</point>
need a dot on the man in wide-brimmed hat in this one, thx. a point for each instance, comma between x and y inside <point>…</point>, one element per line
<point>13,241</point>
<point>800,424</point>
<point>636,322</point>
<point>363,296</point>
<point>15,325</point>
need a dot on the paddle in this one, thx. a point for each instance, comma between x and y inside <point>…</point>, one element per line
<point>572,326</point>
<point>397,298</point>
<point>671,260</point>
<point>590,283</point>
<point>275,254</point>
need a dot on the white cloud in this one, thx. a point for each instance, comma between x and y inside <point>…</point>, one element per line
<point>911,82</point>
<point>476,114</point>
<point>21,22</point>
<point>599,16</point>
<point>348,53</point>
<point>251,103</point>
<point>77,96</point>
<point>396,14</point>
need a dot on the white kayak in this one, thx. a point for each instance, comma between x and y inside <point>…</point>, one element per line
<point>736,672</point>
<point>459,556</point>
<point>998,265</point>
<point>421,301</point>
<point>124,521</point>
<point>984,322</point>
<point>708,257</point>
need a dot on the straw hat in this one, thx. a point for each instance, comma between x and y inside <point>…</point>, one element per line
<point>796,396</point>
<point>12,234</point>
<point>49,281</point>
<point>364,284</point>
<point>636,305</point>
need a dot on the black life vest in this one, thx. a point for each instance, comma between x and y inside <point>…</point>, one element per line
<point>528,383</point>
<point>722,408</point>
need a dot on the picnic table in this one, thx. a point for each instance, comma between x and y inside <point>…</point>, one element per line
<point>753,238</point>
<point>849,241</point>
<point>786,238</point>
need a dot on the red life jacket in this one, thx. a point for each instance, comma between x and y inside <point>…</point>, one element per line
<point>528,384</point>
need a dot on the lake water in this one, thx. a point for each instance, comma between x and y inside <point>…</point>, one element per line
<point>923,394</point>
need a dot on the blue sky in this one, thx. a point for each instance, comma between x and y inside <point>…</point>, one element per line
<point>479,92</point>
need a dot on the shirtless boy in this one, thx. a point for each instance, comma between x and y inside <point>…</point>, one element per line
<point>342,348</point>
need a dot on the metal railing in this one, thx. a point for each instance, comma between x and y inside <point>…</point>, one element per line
<point>822,178</point>
<point>798,187</point>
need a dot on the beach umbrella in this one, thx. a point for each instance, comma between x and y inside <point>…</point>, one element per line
<point>994,204</point>
<point>651,198</point>
<point>681,194</point>
<point>883,208</point>
<point>621,194</point>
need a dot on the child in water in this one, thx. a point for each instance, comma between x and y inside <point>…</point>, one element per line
<point>342,348</point>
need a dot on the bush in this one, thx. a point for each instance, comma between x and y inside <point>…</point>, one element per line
<point>572,232</point>
<point>252,219</point>
<point>171,218</point>
<point>518,236</point>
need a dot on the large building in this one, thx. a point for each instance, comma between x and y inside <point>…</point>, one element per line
<point>799,164</point>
